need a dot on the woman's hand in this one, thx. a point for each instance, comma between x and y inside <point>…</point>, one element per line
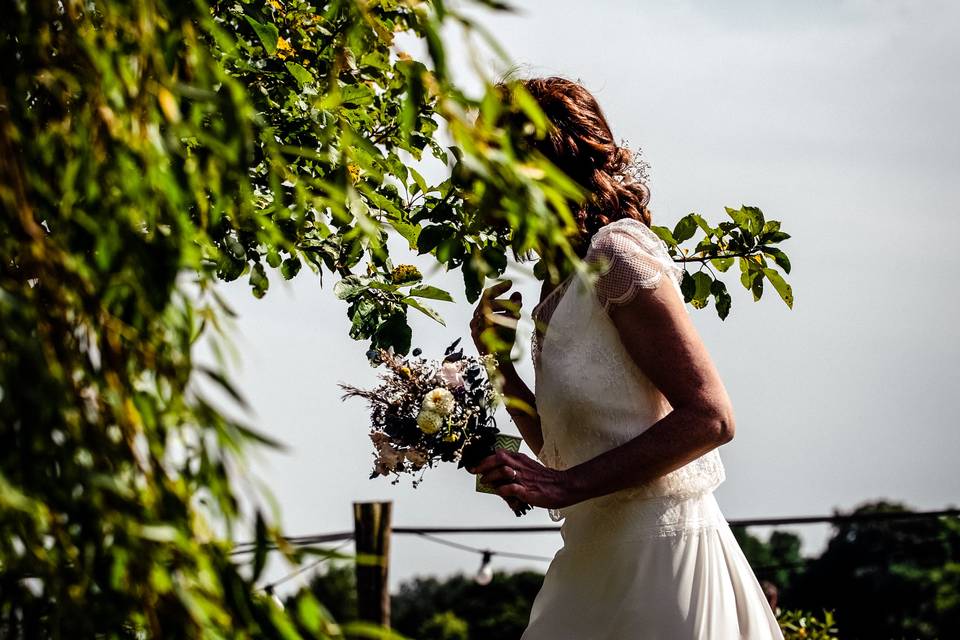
<point>494,323</point>
<point>515,476</point>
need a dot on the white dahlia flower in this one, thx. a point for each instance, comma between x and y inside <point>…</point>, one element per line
<point>439,401</point>
<point>429,421</point>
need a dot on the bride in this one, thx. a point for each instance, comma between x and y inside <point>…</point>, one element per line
<point>629,412</point>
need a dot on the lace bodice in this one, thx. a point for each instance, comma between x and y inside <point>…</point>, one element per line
<point>591,395</point>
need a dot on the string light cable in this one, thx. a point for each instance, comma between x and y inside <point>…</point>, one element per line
<point>269,588</point>
<point>432,532</point>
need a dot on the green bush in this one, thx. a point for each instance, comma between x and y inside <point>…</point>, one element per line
<point>444,626</point>
<point>801,625</point>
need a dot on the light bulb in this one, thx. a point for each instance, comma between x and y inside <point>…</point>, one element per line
<point>485,574</point>
<point>273,596</point>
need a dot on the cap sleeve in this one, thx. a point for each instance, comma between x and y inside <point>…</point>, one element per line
<point>630,257</point>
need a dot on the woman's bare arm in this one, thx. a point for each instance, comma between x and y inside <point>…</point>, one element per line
<point>500,316</point>
<point>660,337</point>
<point>521,404</point>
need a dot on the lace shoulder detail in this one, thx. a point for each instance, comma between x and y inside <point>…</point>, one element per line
<point>631,257</point>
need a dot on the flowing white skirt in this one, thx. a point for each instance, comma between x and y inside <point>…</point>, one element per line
<point>660,569</point>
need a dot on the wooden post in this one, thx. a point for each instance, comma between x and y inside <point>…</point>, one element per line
<point>372,537</point>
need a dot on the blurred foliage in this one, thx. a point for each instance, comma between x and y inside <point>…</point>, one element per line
<point>497,611</point>
<point>147,149</point>
<point>887,579</point>
<point>433,609</point>
<point>777,560</point>
<point>444,625</point>
<point>801,625</point>
<point>122,142</point>
<point>334,585</point>
<point>876,579</point>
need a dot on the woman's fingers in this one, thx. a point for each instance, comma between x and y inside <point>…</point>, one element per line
<point>516,477</point>
<point>495,313</point>
<point>500,458</point>
<point>495,290</point>
<point>511,304</point>
<point>513,490</point>
<point>499,475</point>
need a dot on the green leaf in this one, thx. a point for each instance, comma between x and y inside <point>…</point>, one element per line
<point>267,33</point>
<point>749,271</point>
<point>706,228</point>
<point>770,226</point>
<point>531,108</point>
<point>749,219</point>
<point>756,219</point>
<point>496,259</point>
<point>472,281</point>
<point>701,283</point>
<point>418,180</point>
<point>350,287</point>
<point>273,258</point>
<point>409,232</point>
<point>450,251</point>
<point>356,95</point>
<point>394,332</point>
<point>706,247</point>
<point>309,612</point>
<point>722,298</point>
<point>723,264</point>
<point>664,235</point>
<point>779,257</point>
<point>685,228</point>
<point>412,100</point>
<point>259,280</point>
<point>290,268</point>
<point>225,385</point>
<point>426,310</point>
<point>784,289</point>
<point>260,547</point>
<point>776,236</point>
<point>300,73</point>
<point>428,291</point>
<point>431,34</point>
<point>688,286</point>
<point>432,236</point>
<point>757,288</point>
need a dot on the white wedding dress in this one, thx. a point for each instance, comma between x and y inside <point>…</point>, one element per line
<point>654,562</point>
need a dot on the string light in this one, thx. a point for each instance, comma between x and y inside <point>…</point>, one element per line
<point>306,541</point>
<point>270,589</point>
<point>485,574</point>
<point>273,596</point>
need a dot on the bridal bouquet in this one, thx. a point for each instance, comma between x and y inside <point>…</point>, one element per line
<point>428,411</point>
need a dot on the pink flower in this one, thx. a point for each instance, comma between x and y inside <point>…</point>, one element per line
<point>450,374</point>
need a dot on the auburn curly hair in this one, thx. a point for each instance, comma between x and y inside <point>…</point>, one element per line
<point>581,144</point>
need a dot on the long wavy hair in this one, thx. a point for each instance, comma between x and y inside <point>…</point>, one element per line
<point>581,143</point>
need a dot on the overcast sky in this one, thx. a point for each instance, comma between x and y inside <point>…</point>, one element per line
<point>837,118</point>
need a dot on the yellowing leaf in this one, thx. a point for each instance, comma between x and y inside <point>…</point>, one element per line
<point>284,50</point>
<point>168,104</point>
